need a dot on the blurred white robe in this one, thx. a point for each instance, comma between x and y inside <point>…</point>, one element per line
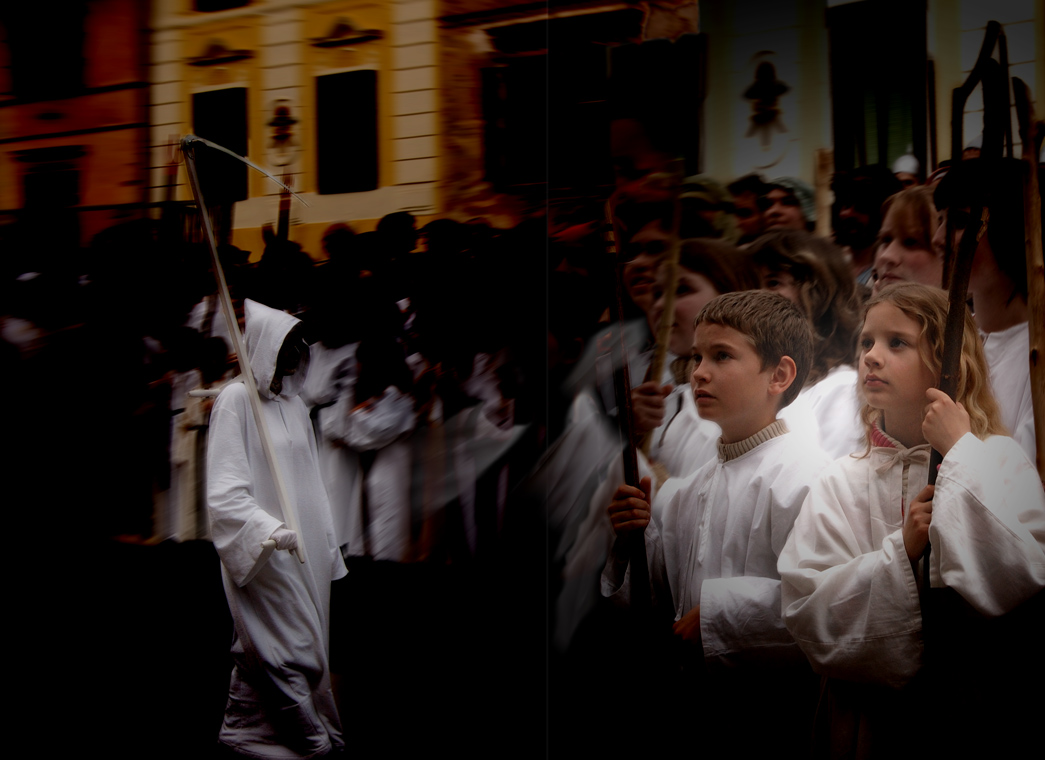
<point>331,377</point>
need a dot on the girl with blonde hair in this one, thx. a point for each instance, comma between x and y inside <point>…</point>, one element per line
<point>850,568</point>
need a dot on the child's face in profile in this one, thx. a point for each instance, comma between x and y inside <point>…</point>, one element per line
<point>893,376</point>
<point>728,382</point>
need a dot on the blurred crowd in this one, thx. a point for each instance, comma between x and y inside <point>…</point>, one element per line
<point>427,336</point>
<point>447,361</point>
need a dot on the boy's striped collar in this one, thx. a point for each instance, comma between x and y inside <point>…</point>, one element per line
<point>728,451</point>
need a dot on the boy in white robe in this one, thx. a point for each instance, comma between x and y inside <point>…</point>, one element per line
<point>715,535</point>
<point>280,701</point>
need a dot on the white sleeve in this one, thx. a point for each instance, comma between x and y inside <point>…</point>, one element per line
<point>988,525</point>
<point>853,608</point>
<point>1024,434</point>
<point>382,423</point>
<point>740,617</point>
<point>740,620</point>
<point>238,523</point>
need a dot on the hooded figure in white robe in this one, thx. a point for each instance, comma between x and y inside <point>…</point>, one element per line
<point>280,701</point>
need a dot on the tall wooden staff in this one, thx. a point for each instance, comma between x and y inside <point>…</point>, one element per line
<point>1030,134</point>
<point>995,99</point>
<point>635,547</point>
<point>671,280</point>
<point>188,146</point>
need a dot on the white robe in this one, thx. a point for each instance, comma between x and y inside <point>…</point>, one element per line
<point>331,377</point>
<point>280,702</point>
<point>218,328</point>
<point>382,427</point>
<point>850,594</point>
<point>828,413</point>
<point>714,541</point>
<point>1008,356</point>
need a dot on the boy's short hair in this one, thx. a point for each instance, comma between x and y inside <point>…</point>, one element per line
<point>774,325</point>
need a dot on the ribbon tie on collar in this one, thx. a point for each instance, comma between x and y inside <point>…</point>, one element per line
<point>919,454</point>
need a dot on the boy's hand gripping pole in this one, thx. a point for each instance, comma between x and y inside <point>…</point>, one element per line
<point>188,144</point>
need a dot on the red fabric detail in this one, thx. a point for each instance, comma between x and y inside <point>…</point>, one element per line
<point>878,438</point>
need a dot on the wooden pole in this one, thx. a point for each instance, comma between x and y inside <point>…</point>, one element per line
<point>671,283</point>
<point>1030,129</point>
<point>995,93</point>
<point>639,590</point>
<point>286,506</point>
<point>824,167</point>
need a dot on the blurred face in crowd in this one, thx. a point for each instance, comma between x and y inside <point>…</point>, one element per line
<point>749,215</point>
<point>646,248</point>
<point>854,227</point>
<point>692,293</point>
<point>782,211</point>
<point>778,281</point>
<point>907,179</point>
<point>901,256</point>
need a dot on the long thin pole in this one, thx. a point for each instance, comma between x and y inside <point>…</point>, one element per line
<point>286,506</point>
<point>1029,131</point>
<point>671,280</point>
<point>639,591</point>
<point>995,110</point>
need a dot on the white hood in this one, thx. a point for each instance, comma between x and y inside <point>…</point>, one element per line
<point>266,329</point>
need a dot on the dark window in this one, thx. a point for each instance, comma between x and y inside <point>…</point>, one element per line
<point>878,81</point>
<point>346,132</point>
<point>515,114</point>
<point>547,104</point>
<point>52,186</point>
<point>221,117</point>
<point>659,84</point>
<point>209,6</point>
<point>52,176</point>
<point>46,47</point>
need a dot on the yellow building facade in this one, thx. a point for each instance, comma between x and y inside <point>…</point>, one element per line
<point>289,60</point>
